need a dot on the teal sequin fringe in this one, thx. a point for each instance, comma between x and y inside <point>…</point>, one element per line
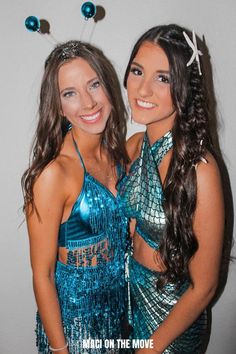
<point>94,311</point>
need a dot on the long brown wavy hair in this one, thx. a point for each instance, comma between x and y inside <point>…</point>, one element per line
<point>52,126</point>
<point>191,139</point>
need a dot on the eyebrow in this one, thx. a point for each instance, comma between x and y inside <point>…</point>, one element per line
<point>67,89</point>
<point>158,71</point>
<point>137,64</point>
<point>93,79</point>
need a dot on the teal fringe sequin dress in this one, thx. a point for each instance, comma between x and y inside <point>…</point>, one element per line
<point>142,197</point>
<point>91,286</point>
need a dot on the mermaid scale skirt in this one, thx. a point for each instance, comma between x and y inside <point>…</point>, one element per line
<point>149,308</point>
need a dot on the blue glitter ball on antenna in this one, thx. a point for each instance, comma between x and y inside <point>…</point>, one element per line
<point>32,24</point>
<point>88,10</point>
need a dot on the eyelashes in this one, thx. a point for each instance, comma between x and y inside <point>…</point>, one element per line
<point>69,94</point>
<point>160,77</point>
<point>95,84</point>
<point>136,71</point>
<point>163,78</point>
<point>72,93</point>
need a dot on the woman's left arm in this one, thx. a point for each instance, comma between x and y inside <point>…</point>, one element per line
<point>204,266</point>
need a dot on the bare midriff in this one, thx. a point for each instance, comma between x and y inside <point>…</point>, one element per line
<point>146,255</point>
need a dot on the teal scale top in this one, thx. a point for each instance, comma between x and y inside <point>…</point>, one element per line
<point>141,192</point>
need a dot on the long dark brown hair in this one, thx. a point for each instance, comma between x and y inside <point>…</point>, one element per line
<point>191,139</point>
<point>52,126</point>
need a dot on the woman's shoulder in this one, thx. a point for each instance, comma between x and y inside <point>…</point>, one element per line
<point>52,177</point>
<point>134,144</point>
<point>208,173</point>
<point>207,163</point>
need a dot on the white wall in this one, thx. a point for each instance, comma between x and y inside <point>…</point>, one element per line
<point>22,57</point>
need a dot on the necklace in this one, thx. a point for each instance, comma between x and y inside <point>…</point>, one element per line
<point>94,169</point>
<point>98,172</point>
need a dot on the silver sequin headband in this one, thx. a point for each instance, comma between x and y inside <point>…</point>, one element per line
<point>71,50</point>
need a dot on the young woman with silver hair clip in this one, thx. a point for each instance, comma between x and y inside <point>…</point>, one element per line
<point>173,192</point>
<point>77,230</point>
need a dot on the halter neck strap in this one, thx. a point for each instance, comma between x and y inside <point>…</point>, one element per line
<point>160,148</point>
<point>78,152</point>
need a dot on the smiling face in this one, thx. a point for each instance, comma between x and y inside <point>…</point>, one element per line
<point>83,99</point>
<point>148,87</point>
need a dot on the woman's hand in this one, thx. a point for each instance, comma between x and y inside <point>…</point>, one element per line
<point>158,261</point>
<point>148,351</point>
<point>63,351</point>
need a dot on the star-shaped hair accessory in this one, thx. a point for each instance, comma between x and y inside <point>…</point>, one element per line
<point>196,52</point>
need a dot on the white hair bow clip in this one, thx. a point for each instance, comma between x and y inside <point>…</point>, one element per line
<point>196,52</point>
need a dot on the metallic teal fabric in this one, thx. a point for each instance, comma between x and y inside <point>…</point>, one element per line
<point>91,286</point>
<point>149,307</point>
<point>141,191</point>
<point>141,196</point>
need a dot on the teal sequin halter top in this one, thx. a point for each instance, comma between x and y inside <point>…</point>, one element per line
<point>91,287</point>
<point>142,197</point>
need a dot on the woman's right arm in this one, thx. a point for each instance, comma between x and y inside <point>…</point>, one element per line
<point>43,225</point>
<point>133,146</point>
